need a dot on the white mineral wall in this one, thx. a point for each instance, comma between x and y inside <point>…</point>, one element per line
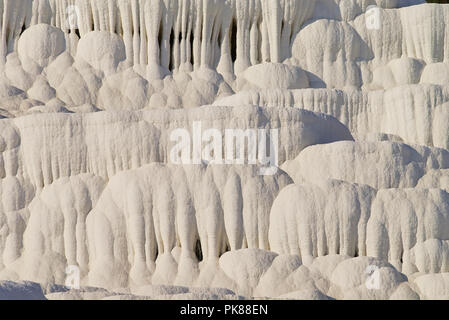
<point>53,214</point>
<point>391,164</point>
<point>392,232</point>
<point>159,32</point>
<point>91,90</point>
<point>386,224</point>
<point>389,203</point>
<point>52,146</point>
<point>102,70</point>
<point>312,221</point>
<point>172,221</point>
<point>193,210</point>
<point>418,114</point>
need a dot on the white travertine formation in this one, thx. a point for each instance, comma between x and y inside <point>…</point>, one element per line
<point>418,114</point>
<point>350,281</point>
<point>431,256</point>
<point>57,229</point>
<point>313,221</point>
<point>333,56</point>
<point>101,50</point>
<point>435,179</point>
<point>157,44</point>
<point>279,76</point>
<point>202,211</point>
<point>401,218</point>
<point>433,286</point>
<point>355,205</point>
<point>381,165</point>
<point>40,45</point>
<point>51,146</point>
<point>353,220</point>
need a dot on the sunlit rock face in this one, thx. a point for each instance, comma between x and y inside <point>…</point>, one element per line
<point>122,175</point>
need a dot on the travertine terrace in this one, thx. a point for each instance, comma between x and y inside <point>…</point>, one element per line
<point>355,93</point>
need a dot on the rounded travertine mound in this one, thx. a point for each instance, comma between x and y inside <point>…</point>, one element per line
<point>102,50</point>
<point>438,179</point>
<point>288,278</point>
<point>431,256</point>
<point>331,51</point>
<point>60,210</point>
<point>126,90</point>
<point>276,76</point>
<point>246,267</point>
<point>433,286</point>
<point>39,45</point>
<point>313,221</point>
<point>58,68</point>
<point>377,164</point>
<point>79,86</point>
<point>406,70</point>
<point>401,218</point>
<point>15,74</point>
<point>41,91</point>
<point>198,211</point>
<point>398,72</point>
<point>365,278</point>
<point>199,88</point>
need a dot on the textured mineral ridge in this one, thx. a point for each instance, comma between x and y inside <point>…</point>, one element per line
<point>347,99</point>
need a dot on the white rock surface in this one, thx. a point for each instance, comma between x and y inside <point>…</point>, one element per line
<point>102,50</point>
<point>39,45</point>
<point>276,76</point>
<point>175,216</point>
<point>431,256</point>
<point>358,208</point>
<point>381,165</point>
<point>402,218</point>
<point>418,114</point>
<point>99,143</point>
<point>313,221</point>
<point>435,179</point>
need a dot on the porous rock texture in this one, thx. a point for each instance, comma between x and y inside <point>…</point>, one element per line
<point>92,91</point>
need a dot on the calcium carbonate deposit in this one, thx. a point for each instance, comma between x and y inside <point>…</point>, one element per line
<point>224,149</point>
